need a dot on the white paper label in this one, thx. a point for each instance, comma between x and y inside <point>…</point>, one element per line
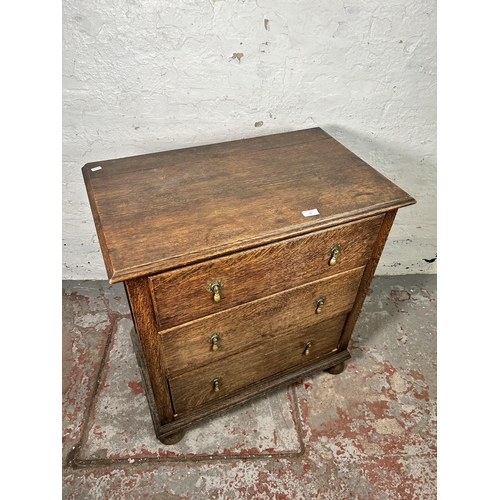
<point>308,213</point>
<point>95,168</point>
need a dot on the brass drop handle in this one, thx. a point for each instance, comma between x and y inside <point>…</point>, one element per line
<point>214,339</point>
<point>215,383</point>
<point>307,348</point>
<point>318,304</point>
<point>333,252</point>
<point>215,287</point>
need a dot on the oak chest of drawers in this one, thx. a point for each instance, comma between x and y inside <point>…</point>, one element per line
<point>245,263</point>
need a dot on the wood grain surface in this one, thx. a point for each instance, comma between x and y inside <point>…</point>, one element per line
<point>141,306</point>
<point>367,278</point>
<point>195,389</point>
<point>277,380</point>
<point>181,295</point>
<point>187,347</point>
<point>162,211</point>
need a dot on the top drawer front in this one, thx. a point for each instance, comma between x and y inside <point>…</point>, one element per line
<point>181,295</point>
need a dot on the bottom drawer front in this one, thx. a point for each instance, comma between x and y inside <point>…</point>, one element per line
<point>230,375</point>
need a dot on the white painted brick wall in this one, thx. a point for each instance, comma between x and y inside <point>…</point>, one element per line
<point>149,75</point>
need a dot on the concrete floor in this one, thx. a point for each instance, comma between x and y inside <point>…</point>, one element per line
<point>369,433</point>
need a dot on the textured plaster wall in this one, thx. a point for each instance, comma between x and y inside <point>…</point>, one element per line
<point>149,75</point>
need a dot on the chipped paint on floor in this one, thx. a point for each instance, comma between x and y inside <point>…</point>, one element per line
<point>368,433</point>
<point>120,419</point>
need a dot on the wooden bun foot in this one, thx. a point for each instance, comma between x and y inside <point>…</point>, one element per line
<point>172,438</point>
<point>337,369</point>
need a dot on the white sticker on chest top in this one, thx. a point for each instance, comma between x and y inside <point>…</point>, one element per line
<point>308,213</point>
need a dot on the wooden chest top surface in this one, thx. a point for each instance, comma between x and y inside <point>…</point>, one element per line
<point>164,210</point>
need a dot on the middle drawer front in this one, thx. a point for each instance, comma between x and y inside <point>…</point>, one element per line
<point>181,295</point>
<point>191,345</point>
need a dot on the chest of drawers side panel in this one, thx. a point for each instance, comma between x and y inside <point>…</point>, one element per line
<point>366,280</point>
<point>157,391</point>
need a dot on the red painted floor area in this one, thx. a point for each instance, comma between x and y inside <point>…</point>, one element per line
<point>368,433</point>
